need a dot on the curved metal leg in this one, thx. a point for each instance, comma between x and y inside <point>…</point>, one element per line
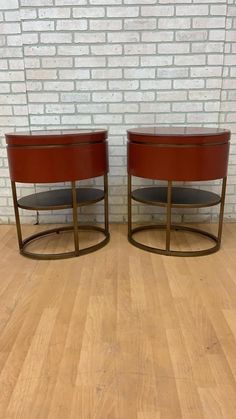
<point>17,216</point>
<point>129,206</point>
<point>75,218</point>
<point>221,215</point>
<point>168,216</point>
<point>106,208</point>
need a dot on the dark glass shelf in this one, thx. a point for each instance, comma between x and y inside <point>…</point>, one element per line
<point>181,197</point>
<point>60,199</point>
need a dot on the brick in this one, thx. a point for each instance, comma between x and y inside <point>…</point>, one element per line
<point>174,23</point>
<point>58,85</point>
<point>139,24</point>
<point>32,62</point>
<point>60,108</point>
<point>74,74</point>
<point>56,38</point>
<point>88,38</point>
<point>202,117</point>
<point>90,62</point>
<point>173,48</point>
<point>187,60</point>
<point>9,4</point>
<point>220,9</point>
<point>123,84</point>
<point>107,97</point>
<point>123,108</point>
<point>12,16</point>
<point>41,74</point>
<point>172,73</point>
<point>157,36</point>
<point>217,35</point>
<point>86,12</point>
<point>18,87</point>
<point>16,64</point>
<point>43,97</point>
<point>157,11</point>
<point>72,50</point>
<point>191,35</point>
<point>69,2</point>
<point>54,13</point>
<point>75,97</point>
<point>71,25</point>
<point>171,96</point>
<point>101,24</point>
<point>11,76</point>
<point>44,120</point>
<point>192,10</point>
<point>155,107</point>
<point>187,107</point>
<point>32,26</point>
<point>139,96</point>
<point>156,61</point>
<point>170,118</point>
<point>215,59</point>
<point>204,95</point>
<point>10,28</point>
<point>208,22</point>
<point>91,108</point>
<point>39,50</point>
<point>139,73</point>
<point>107,119</point>
<point>91,85</point>
<point>122,11</point>
<point>139,49</point>
<point>106,73</point>
<point>104,2</point>
<point>112,49</point>
<point>206,71</point>
<point>75,119</point>
<point>26,14</point>
<point>29,38</point>
<point>188,84</point>
<point>155,84</point>
<point>123,62</point>
<point>12,122</point>
<point>40,3</point>
<point>56,62</point>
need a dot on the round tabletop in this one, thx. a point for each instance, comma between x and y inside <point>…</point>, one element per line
<point>178,135</point>
<point>54,137</point>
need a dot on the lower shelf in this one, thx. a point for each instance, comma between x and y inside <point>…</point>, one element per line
<point>180,197</point>
<point>60,199</point>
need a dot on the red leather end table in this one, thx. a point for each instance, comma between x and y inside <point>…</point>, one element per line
<point>185,154</point>
<point>52,157</point>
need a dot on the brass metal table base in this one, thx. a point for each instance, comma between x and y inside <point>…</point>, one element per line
<point>170,252</point>
<point>63,255</point>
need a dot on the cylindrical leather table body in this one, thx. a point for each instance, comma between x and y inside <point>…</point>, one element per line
<point>181,154</point>
<point>43,157</point>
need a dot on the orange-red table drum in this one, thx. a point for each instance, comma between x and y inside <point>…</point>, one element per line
<point>177,154</point>
<point>59,156</point>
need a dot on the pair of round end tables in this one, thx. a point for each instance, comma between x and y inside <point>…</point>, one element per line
<point>176,154</point>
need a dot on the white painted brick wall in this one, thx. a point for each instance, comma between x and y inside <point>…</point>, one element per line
<point>116,64</point>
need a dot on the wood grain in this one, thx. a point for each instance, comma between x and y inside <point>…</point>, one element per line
<point>118,334</point>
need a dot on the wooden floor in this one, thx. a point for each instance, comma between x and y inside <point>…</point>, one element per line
<point>118,334</point>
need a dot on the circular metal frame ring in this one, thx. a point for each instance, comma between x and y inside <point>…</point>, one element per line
<point>66,255</point>
<point>175,252</point>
